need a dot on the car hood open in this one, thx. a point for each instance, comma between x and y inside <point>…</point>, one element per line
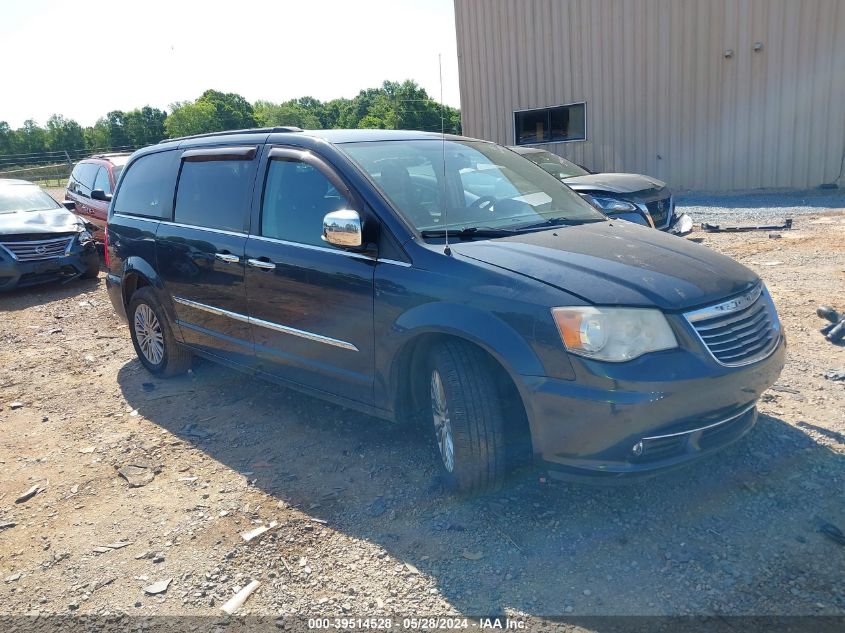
<point>617,263</point>
<point>48,221</point>
<point>614,183</point>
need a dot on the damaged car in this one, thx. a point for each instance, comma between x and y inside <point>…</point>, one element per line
<point>41,240</point>
<point>444,282</point>
<point>632,197</point>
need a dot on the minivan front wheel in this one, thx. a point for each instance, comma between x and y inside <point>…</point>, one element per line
<point>152,337</point>
<point>467,416</point>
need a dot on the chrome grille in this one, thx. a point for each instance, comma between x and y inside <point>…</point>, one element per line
<point>738,331</point>
<point>34,250</point>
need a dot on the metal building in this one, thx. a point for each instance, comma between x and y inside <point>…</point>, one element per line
<point>704,94</point>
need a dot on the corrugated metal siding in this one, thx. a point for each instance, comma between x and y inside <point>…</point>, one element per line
<point>661,97</point>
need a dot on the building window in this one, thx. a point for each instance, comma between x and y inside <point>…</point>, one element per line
<point>557,124</point>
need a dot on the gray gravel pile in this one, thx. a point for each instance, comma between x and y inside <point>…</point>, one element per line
<point>758,206</point>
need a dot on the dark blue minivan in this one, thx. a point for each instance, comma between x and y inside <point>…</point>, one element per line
<point>414,276</point>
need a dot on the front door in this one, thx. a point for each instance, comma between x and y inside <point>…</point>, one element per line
<point>310,304</point>
<point>201,253</point>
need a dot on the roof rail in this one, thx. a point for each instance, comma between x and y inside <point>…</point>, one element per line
<point>255,130</point>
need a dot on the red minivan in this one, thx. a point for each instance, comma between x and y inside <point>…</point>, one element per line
<point>91,184</point>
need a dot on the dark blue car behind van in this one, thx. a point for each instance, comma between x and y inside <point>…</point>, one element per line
<point>409,276</point>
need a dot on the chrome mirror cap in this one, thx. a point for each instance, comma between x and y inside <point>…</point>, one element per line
<point>343,228</point>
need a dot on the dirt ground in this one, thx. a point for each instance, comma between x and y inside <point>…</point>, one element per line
<point>361,527</point>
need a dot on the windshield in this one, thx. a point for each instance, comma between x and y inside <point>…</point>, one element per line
<point>481,186</point>
<point>25,198</point>
<point>554,164</point>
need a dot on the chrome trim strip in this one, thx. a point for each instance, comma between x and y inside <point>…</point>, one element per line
<point>204,228</point>
<point>319,338</point>
<point>703,428</point>
<point>734,304</point>
<point>311,247</point>
<point>212,310</point>
<point>395,262</point>
<point>129,216</point>
<point>336,251</point>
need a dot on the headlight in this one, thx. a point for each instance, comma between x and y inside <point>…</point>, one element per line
<point>613,334</point>
<point>84,236</point>
<point>609,205</point>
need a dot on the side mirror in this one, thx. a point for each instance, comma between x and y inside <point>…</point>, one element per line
<point>70,205</point>
<point>99,194</point>
<point>343,229</point>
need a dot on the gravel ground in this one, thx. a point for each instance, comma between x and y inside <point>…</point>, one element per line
<point>361,527</point>
<point>754,207</point>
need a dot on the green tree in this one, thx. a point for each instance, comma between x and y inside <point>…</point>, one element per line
<point>98,137</point>
<point>115,121</point>
<point>30,138</point>
<point>268,114</point>
<point>144,126</point>
<point>7,139</point>
<point>64,134</point>
<point>231,110</point>
<point>337,113</point>
<point>214,111</point>
<point>188,118</point>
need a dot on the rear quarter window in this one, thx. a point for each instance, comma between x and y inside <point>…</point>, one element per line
<point>148,185</point>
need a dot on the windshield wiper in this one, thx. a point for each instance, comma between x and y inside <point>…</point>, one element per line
<point>558,222</point>
<point>467,231</point>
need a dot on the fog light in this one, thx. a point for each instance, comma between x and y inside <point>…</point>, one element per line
<point>637,449</point>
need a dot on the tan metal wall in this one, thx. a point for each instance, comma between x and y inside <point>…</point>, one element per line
<point>662,99</point>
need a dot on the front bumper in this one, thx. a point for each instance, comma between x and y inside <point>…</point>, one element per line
<point>17,274</point>
<point>645,416</point>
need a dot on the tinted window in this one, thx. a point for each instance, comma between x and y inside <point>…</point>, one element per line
<point>102,180</point>
<point>213,194</point>
<point>296,198</point>
<point>82,178</point>
<point>551,125</point>
<point>147,188</point>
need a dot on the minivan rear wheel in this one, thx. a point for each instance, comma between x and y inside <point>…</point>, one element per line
<point>153,338</point>
<point>467,416</point>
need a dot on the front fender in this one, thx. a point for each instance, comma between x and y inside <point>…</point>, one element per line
<point>480,327</point>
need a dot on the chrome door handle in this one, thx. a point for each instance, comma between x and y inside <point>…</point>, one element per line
<point>228,258</point>
<point>257,263</point>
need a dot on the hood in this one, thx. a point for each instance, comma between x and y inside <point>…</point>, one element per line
<point>58,220</point>
<point>614,183</point>
<point>617,263</point>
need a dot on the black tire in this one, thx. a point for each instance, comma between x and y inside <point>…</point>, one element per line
<point>92,270</point>
<point>475,414</point>
<point>174,358</point>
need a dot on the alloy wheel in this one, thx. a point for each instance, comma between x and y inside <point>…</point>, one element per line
<point>442,422</point>
<point>148,333</point>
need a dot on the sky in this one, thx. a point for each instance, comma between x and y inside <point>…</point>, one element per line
<point>84,58</point>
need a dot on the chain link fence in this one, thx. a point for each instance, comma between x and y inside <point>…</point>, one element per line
<point>49,169</point>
